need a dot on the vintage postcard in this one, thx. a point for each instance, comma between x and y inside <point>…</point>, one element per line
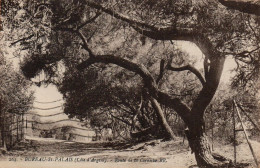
<point>129,83</point>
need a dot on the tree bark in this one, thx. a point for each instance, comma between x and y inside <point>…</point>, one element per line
<point>161,118</point>
<point>203,154</point>
<point>246,6</point>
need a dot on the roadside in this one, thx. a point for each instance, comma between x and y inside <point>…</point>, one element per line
<point>173,153</point>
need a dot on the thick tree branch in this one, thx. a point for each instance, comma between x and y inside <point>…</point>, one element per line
<point>81,36</point>
<point>77,30</point>
<point>206,67</point>
<point>157,33</point>
<point>160,76</point>
<point>138,112</point>
<point>246,6</point>
<point>85,44</point>
<point>119,16</point>
<point>209,89</point>
<point>110,59</point>
<point>124,121</point>
<point>128,105</point>
<point>122,108</point>
<point>162,33</point>
<point>161,117</point>
<point>149,82</point>
<point>188,68</point>
<point>176,104</point>
<point>169,33</point>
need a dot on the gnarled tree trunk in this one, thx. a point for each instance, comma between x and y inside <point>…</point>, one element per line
<point>196,134</point>
<point>200,146</point>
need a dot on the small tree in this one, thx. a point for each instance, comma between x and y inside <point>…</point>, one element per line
<point>15,99</point>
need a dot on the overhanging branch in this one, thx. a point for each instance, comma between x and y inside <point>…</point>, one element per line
<point>85,44</point>
<point>110,59</point>
<point>157,33</point>
<point>81,36</point>
<point>119,16</point>
<point>246,6</point>
<point>173,32</point>
<point>124,121</point>
<point>160,76</point>
<point>188,68</point>
<point>149,82</point>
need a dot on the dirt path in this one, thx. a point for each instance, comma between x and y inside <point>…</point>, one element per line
<point>166,154</point>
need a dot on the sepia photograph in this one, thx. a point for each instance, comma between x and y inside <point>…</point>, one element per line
<point>130,83</point>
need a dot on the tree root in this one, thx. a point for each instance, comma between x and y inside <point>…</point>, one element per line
<point>223,162</point>
<point>228,163</point>
<point>220,158</point>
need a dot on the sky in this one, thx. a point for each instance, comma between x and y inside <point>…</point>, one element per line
<point>195,52</point>
<point>43,97</point>
<point>47,94</point>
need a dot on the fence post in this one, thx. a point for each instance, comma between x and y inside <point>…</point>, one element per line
<point>17,128</point>
<point>22,127</point>
<point>234,134</point>
<point>244,129</point>
<point>250,119</point>
<point>4,131</point>
<point>11,131</point>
